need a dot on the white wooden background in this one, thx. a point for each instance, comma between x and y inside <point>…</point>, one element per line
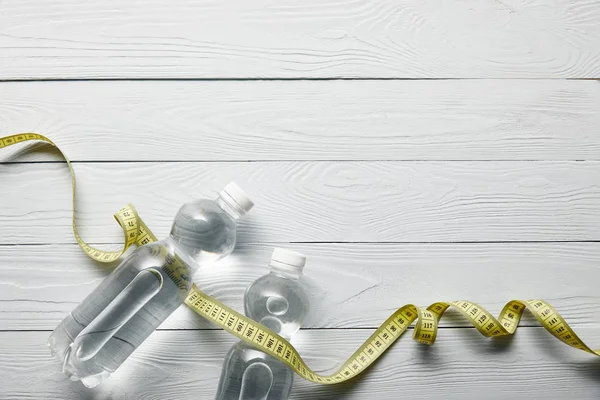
<point>416,151</point>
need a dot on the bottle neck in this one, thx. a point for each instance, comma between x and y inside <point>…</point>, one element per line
<point>287,273</point>
<point>230,209</point>
<point>171,243</point>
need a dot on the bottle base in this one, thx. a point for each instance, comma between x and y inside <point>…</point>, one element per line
<point>62,337</point>
<point>60,344</point>
<point>88,372</point>
<point>89,381</point>
<point>94,380</point>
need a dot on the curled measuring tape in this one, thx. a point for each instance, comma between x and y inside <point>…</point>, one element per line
<point>426,325</point>
<point>134,230</point>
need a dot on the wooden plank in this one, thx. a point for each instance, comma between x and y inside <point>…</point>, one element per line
<point>317,201</point>
<point>308,120</point>
<point>350,285</point>
<point>315,39</point>
<point>186,365</point>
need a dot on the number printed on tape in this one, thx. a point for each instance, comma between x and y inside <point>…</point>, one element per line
<point>426,320</point>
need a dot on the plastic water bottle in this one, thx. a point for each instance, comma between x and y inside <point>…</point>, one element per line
<point>277,301</point>
<point>151,283</point>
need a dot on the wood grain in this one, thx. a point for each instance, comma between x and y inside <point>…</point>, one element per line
<point>307,120</point>
<point>186,365</point>
<point>350,285</point>
<point>316,201</point>
<point>398,190</point>
<point>312,39</point>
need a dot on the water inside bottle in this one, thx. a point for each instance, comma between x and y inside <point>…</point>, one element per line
<point>127,306</point>
<point>278,301</point>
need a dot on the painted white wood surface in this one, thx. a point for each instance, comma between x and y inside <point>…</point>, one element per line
<point>460,366</point>
<point>310,120</point>
<point>317,201</point>
<point>350,285</point>
<point>291,39</point>
<point>397,190</point>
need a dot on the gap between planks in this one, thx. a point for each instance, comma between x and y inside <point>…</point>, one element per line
<point>279,161</point>
<point>360,328</point>
<point>231,79</point>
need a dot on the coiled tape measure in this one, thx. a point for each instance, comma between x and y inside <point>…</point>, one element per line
<point>426,325</point>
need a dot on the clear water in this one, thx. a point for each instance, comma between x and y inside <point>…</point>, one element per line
<point>127,306</point>
<point>250,374</point>
<point>278,301</point>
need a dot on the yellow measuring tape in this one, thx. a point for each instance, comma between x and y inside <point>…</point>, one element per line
<point>261,337</point>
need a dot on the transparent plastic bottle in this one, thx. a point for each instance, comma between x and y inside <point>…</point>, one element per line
<point>151,283</point>
<point>277,301</point>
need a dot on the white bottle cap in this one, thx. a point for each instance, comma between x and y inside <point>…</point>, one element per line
<point>288,260</point>
<point>237,198</point>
